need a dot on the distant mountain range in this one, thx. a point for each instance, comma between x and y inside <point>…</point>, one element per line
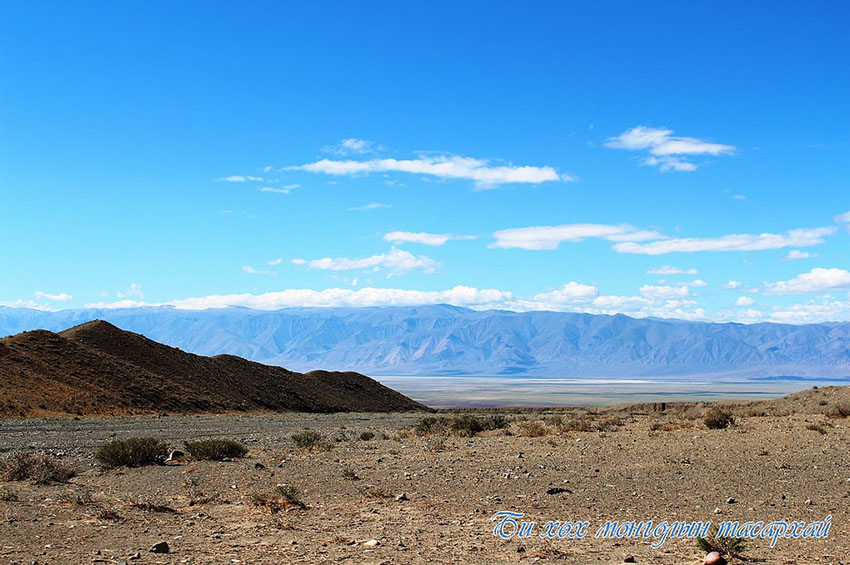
<point>447,340</point>
<point>98,369</point>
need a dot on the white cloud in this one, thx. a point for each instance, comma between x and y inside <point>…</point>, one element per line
<point>795,254</point>
<point>61,297</point>
<point>744,301</point>
<point>291,298</point>
<point>285,190</point>
<point>351,146</point>
<point>843,219</point>
<point>664,149</point>
<point>274,262</point>
<point>435,239</point>
<point>732,285</point>
<point>670,270</point>
<point>31,304</point>
<point>299,262</point>
<point>570,293</point>
<point>816,280</point>
<point>479,171</point>
<point>656,292</point>
<point>240,178</point>
<point>369,207</point>
<point>548,237</point>
<point>396,261</point>
<point>252,271</point>
<point>732,242</point>
<point>134,290</point>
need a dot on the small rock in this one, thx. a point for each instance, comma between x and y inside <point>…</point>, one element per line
<point>731,500</point>
<point>161,547</point>
<point>629,559</point>
<point>713,558</point>
<point>175,455</point>
<point>558,490</point>
<point>135,556</point>
<point>808,502</point>
<point>371,543</point>
<point>402,497</point>
<point>717,510</point>
<point>259,466</point>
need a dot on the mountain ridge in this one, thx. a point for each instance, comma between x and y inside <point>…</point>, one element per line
<point>450,340</point>
<point>98,369</point>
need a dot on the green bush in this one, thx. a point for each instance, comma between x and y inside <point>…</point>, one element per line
<point>133,452</point>
<point>41,469</point>
<point>215,449</point>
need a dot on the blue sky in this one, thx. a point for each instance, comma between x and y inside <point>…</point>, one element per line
<point>669,159</point>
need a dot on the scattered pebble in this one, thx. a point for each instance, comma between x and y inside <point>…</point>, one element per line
<point>713,558</point>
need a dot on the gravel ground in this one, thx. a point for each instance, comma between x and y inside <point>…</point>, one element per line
<point>399,498</point>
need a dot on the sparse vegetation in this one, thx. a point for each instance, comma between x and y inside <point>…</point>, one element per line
<point>7,495</point>
<point>133,452</point>
<point>310,440</point>
<point>717,419</point>
<point>109,514</point>
<point>532,428</point>
<point>41,469</point>
<point>367,436</point>
<point>726,546</point>
<point>146,506</point>
<point>465,425</point>
<point>816,428</point>
<point>281,498</point>
<point>215,449</point>
<point>349,474</point>
<point>81,498</point>
<point>840,410</point>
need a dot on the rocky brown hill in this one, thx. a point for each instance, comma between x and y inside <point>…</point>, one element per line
<point>98,369</point>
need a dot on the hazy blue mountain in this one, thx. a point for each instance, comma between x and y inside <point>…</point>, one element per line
<point>446,340</point>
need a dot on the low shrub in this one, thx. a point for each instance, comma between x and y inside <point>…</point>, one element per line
<point>310,440</point>
<point>465,425</point>
<point>577,425</point>
<point>215,449</point>
<point>367,436</point>
<point>281,498</point>
<point>816,428</point>
<point>717,419</point>
<point>726,546</point>
<point>533,428</point>
<point>133,452</point>
<point>840,410</point>
<point>41,469</point>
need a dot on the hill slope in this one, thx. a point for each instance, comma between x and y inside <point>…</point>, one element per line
<point>96,368</point>
<point>446,340</point>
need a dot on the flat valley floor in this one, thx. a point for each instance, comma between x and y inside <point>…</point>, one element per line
<point>402,498</point>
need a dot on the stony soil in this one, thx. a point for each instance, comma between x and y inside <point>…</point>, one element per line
<point>774,467</point>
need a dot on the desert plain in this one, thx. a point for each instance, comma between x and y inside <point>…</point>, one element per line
<point>381,488</point>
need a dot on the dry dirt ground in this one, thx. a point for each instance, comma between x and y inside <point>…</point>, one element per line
<point>645,466</point>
